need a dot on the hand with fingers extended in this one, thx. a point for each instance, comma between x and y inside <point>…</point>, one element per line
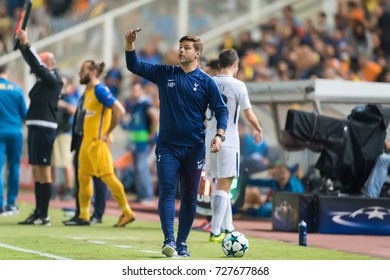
<point>130,37</point>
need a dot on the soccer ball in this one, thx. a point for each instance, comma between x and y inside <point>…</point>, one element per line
<point>235,244</point>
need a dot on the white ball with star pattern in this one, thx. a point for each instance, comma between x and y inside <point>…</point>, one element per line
<point>235,244</point>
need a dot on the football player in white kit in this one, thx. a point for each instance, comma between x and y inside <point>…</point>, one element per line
<point>224,166</point>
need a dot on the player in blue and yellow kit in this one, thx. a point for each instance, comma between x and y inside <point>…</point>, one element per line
<point>185,91</point>
<point>102,114</point>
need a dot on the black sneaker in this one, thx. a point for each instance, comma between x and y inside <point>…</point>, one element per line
<point>30,220</point>
<point>76,221</point>
<point>71,219</point>
<point>40,221</point>
<point>182,250</point>
<point>2,211</point>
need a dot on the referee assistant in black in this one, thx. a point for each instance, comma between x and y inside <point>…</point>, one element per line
<point>42,124</point>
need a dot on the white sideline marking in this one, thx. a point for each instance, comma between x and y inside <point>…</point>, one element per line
<point>97,241</point>
<point>115,245</point>
<point>33,252</point>
<point>124,246</point>
<point>150,251</point>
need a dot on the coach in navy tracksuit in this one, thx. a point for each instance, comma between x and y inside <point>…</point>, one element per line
<point>185,91</point>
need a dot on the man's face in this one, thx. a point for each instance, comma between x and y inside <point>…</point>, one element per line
<point>84,74</point>
<point>44,58</point>
<point>282,176</point>
<point>187,53</point>
<point>137,91</point>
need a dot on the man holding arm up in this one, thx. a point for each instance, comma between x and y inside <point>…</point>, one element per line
<point>185,91</point>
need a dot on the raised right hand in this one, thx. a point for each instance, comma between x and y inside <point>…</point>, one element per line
<point>130,37</point>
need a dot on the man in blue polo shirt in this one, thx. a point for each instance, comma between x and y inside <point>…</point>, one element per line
<point>185,92</point>
<point>12,111</point>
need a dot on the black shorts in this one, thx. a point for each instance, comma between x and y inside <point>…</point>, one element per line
<point>40,145</point>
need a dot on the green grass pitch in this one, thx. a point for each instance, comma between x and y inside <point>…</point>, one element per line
<point>140,240</point>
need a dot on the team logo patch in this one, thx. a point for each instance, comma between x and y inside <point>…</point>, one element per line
<point>89,113</point>
<point>171,83</point>
<point>200,164</point>
<point>195,86</point>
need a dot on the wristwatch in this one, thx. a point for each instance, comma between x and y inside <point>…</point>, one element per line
<point>220,136</point>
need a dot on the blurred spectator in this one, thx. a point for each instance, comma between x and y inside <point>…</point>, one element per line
<point>310,33</point>
<point>379,173</point>
<point>340,43</point>
<point>79,10</point>
<point>150,54</point>
<point>141,123</point>
<point>377,53</point>
<point>369,69</point>
<point>329,73</point>
<point>253,156</point>
<point>170,58</point>
<point>199,20</point>
<point>62,157</point>
<point>151,91</point>
<point>228,41</point>
<point>281,179</point>
<point>354,11</point>
<point>39,21</point>
<point>245,42</point>
<point>249,61</point>
<point>340,22</point>
<point>14,7</point>
<point>384,76</point>
<point>5,29</point>
<point>12,111</point>
<point>359,41</point>
<point>100,7</point>
<point>57,10</point>
<point>283,71</point>
<point>113,78</point>
<point>271,53</point>
<point>212,67</point>
<point>384,31</point>
<point>322,26</point>
<point>164,23</point>
<point>290,19</point>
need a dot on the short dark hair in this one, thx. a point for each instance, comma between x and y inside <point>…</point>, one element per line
<point>213,64</point>
<point>198,44</point>
<point>227,58</point>
<point>3,69</point>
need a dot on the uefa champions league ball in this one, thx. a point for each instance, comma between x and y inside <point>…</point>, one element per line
<point>235,244</point>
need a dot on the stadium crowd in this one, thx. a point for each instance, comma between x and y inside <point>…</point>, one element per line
<point>355,47</point>
<point>49,16</point>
